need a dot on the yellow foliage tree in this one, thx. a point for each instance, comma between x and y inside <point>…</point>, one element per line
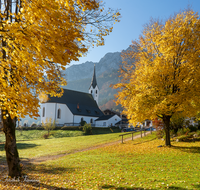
<point>161,71</point>
<point>38,39</point>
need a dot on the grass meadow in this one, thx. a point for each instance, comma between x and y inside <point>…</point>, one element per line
<point>138,164</point>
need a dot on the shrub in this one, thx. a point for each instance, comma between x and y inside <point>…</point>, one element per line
<point>193,128</point>
<point>183,131</point>
<point>49,125</point>
<point>87,129</point>
<point>160,134</point>
<point>198,133</point>
<point>46,136</point>
<point>82,123</point>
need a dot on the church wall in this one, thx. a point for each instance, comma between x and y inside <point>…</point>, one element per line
<point>51,111</point>
<point>66,115</point>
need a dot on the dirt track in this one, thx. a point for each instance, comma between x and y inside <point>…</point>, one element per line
<point>53,157</point>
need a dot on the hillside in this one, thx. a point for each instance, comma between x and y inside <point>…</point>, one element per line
<point>104,81</point>
<point>110,62</point>
<point>79,77</point>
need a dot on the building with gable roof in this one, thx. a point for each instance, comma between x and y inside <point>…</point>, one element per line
<point>74,107</point>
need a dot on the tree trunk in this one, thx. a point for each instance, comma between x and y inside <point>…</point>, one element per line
<point>12,155</point>
<point>166,120</point>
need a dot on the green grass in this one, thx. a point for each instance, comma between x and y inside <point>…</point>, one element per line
<point>133,165</point>
<point>38,134</point>
<point>138,164</point>
<point>54,146</point>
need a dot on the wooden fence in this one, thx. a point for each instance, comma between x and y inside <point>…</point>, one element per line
<point>145,129</point>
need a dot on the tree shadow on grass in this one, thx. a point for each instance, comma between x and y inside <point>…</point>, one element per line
<point>29,179</point>
<point>197,186</point>
<point>144,141</point>
<point>20,146</point>
<point>194,149</point>
<point>140,188</point>
<point>25,145</point>
<point>30,184</point>
<point>42,168</point>
<point>178,188</point>
<point>122,188</point>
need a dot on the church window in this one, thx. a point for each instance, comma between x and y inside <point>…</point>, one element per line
<point>59,113</point>
<point>91,91</point>
<point>104,123</point>
<point>91,120</point>
<point>43,112</point>
<point>96,91</point>
<point>82,119</point>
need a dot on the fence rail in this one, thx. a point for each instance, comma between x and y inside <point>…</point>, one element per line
<point>144,129</point>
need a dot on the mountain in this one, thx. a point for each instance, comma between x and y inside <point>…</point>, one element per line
<point>79,76</point>
<point>109,62</point>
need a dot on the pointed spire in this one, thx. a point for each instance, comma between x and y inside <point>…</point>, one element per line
<point>94,81</point>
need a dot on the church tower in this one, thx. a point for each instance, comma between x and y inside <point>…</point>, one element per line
<point>94,90</point>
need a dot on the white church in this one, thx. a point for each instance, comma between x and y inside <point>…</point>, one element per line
<point>74,107</point>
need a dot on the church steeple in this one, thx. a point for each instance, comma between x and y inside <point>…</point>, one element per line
<point>94,81</point>
<point>94,90</point>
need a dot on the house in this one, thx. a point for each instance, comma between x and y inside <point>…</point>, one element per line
<point>74,107</point>
<point>123,123</point>
<point>107,120</point>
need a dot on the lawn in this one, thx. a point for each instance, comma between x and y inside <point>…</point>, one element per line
<point>138,164</point>
<point>38,134</point>
<point>53,146</point>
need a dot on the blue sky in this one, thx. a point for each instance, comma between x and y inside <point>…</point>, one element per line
<point>135,13</point>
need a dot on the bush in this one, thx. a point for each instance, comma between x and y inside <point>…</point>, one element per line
<point>49,125</point>
<point>193,128</point>
<point>46,136</point>
<point>160,134</point>
<point>198,133</point>
<point>87,129</point>
<point>82,123</point>
<point>183,131</point>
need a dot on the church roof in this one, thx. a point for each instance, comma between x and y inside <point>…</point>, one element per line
<point>94,81</point>
<point>104,117</point>
<point>79,103</point>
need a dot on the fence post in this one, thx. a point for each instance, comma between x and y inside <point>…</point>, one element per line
<point>122,138</point>
<point>141,133</point>
<point>144,133</point>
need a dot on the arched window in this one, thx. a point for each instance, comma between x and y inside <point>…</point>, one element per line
<point>96,91</point>
<point>91,91</point>
<point>82,119</point>
<point>59,113</point>
<point>43,112</point>
<point>91,120</point>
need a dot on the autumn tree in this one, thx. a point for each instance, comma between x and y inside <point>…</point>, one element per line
<point>38,39</point>
<point>164,78</point>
